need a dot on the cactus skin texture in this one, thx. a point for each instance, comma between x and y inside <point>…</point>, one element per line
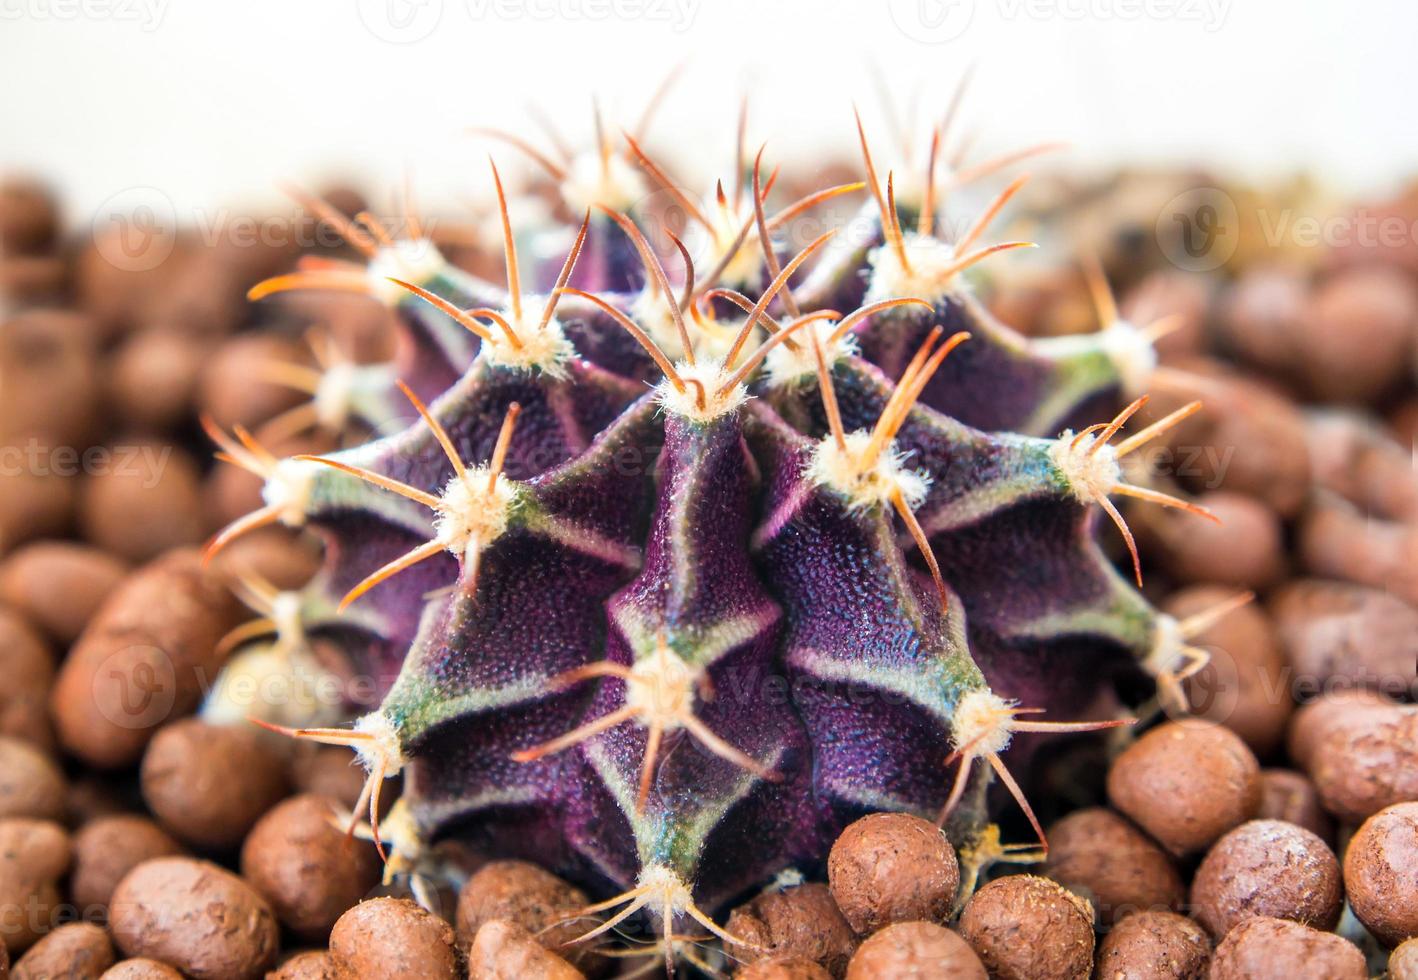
<point>674,638</point>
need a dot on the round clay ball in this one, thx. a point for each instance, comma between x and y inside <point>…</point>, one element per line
<point>314,964</point>
<point>1267,868</point>
<point>505,951</point>
<point>803,921</point>
<point>1028,928</point>
<point>107,848</point>
<point>1403,961</point>
<point>526,895</point>
<point>31,784</point>
<point>235,387</point>
<point>921,950</point>
<point>141,968</point>
<point>198,917</point>
<point>142,500</point>
<point>1278,949</point>
<point>1186,783</point>
<point>1160,945</point>
<point>29,216</point>
<point>78,951</point>
<point>307,868</point>
<point>1312,722</point>
<point>34,854</point>
<point>892,867</point>
<point>1099,855</point>
<point>28,668</point>
<point>59,585</point>
<point>1246,550</point>
<point>152,378</point>
<point>393,937</point>
<point>1381,873</point>
<point>1288,795</point>
<point>209,784</point>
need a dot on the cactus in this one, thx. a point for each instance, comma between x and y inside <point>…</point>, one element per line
<point>663,586</point>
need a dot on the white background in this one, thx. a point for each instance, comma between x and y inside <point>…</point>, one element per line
<point>212,103</point>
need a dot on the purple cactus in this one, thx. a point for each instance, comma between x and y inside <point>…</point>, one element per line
<point>665,586</point>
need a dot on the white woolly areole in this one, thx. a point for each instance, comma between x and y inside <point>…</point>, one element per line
<point>1089,476</point>
<point>661,687</point>
<point>415,260</point>
<point>276,683</point>
<point>670,893</point>
<point>383,748</point>
<point>1132,353</point>
<point>469,514</point>
<point>869,487</point>
<point>706,376</point>
<point>1167,643</point>
<point>930,260</point>
<point>545,349</point>
<point>287,489</point>
<point>787,367</point>
<point>615,184</point>
<point>983,723</point>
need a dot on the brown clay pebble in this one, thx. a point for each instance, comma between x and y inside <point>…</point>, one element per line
<point>783,968</point>
<point>1288,795</point>
<point>1186,783</point>
<point>1367,761</point>
<point>919,950</point>
<point>1101,856</point>
<point>393,937</point>
<point>1028,928</point>
<point>892,867</point>
<point>141,968</point>
<point>313,964</point>
<point>525,895</point>
<point>59,585</point>
<point>153,378</point>
<point>106,849</point>
<point>34,505</point>
<point>1154,946</point>
<point>505,951</point>
<point>1246,550</point>
<point>203,920</point>
<point>234,388</point>
<point>1244,685</point>
<point>29,217</point>
<point>209,784</point>
<point>31,784</point>
<point>307,868</point>
<point>142,660</point>
<point>28,669</point>
<point>147,499</point>
<point>1313,721</point>
<point>327,770</point>
<point>1342,632</point>
<point>1356,334</point>
<point>1381,873</point>
<point>1403,961</point>
<point>34,854</point>
<point>1278,949</point>
<point>78,951</point>
<point>49,389</point>
<point>1269,868</point>
<point>802,921</point>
